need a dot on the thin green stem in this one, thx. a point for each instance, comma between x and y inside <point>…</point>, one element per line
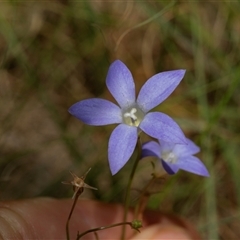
<point>127,196</point>
<point>157,15</point>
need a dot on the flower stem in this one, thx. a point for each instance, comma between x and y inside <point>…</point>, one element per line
<point>144,195</point>
<point>78,187</point>
<point>78,193</point>
<point>127,196</point>
<point>106,227</point>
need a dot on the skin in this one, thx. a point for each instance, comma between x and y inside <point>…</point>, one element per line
<point>45,218</point>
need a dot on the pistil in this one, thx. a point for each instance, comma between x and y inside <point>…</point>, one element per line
<point>169,157</point>
<point>133,116</point>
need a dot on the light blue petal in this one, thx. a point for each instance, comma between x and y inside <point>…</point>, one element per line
<point>151,148</point>
<point>162,127</point>
<point>170,168</point>
<point>96,111</point>
<point>184,150</point>
<point>121,85</point>
<point>192,164</point>
<point>121,146</point>
<point>158,88</point>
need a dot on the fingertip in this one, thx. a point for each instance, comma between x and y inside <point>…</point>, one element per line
<point>159,232</point>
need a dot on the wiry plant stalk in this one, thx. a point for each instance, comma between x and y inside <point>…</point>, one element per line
<point>78,187</point>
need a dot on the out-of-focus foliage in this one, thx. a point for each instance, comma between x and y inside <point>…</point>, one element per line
<point>55,53</point>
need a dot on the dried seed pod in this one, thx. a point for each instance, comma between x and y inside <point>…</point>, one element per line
<point>78,183</point>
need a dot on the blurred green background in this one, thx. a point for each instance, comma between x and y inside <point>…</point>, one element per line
<point>55,53</point>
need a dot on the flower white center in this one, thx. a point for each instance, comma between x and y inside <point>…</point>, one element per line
<point>169,157</point>
<point>133,116</point>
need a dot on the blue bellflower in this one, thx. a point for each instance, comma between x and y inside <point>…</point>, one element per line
<point>176,156</point>
<point>132,114</point>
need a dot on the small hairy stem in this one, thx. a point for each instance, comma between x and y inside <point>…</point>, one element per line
<point>127,196</point>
